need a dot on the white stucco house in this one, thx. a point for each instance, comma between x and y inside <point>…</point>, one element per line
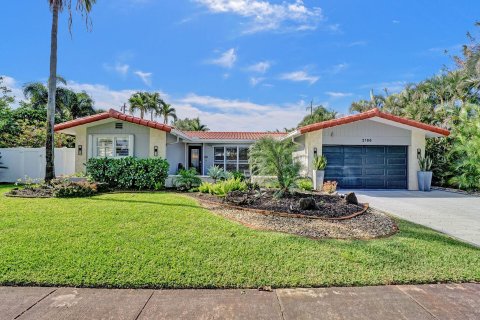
<point>370,150</point>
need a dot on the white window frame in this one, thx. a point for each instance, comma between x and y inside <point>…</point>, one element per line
<point>93,149</point>
<point>238,161</point>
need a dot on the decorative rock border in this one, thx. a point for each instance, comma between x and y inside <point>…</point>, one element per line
<point>284,214</point>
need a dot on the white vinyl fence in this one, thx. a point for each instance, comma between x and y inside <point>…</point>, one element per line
<point>30,163</point>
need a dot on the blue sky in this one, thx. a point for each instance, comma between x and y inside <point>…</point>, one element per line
<point>238,64</point>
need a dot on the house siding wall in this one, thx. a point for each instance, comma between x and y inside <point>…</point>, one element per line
<point>417,142</point>
<point>355,133</point>
<point>312,140</point>
<point>141,135</point>
<point>175,153</point>
<point>158,139</point>
<point>81,139</point>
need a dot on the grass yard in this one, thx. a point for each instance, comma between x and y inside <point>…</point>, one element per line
<point>165,240</point>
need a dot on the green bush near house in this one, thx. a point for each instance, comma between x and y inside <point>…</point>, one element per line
<point>222,188</point>
<point>187,180</point>
<point>305,184</point>
<point>129,173</point>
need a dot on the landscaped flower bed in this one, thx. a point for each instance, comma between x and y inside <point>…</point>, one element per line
<point>295,203</point>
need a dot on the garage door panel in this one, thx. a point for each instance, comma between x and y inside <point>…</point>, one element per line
<point>374,172</point>
<point>396,150</point>
<point>374,167</point>
<point>375,161</point>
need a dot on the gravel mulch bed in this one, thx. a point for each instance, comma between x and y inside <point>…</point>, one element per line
<point>326,206</point>
<point>372,224</point>
<point>38,192</point>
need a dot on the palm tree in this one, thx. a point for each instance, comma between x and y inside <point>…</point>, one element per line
<point>166,111</point>
<point>84,7</point>
<point>80,105</point>
<point>319,114</point>
<point>139,102</point>
<point>197,126</point>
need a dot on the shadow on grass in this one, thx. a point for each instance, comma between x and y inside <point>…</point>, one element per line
<point>147,202</point>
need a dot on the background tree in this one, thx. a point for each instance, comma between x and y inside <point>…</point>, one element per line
<point>84,7</point>
<point>166,111</point>
<point>318,114</point>
<point>142,102</point>
<point>188,124</point>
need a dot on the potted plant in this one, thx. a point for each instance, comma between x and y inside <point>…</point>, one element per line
<point>319,165</point>
<point>424,175</point>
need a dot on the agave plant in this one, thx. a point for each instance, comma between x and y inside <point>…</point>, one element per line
<point>216,173</point>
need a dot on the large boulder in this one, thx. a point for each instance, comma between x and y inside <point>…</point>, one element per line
<point>351,198</point>
<point>307,204</point>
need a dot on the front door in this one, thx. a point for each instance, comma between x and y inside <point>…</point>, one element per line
<point>195,158</point>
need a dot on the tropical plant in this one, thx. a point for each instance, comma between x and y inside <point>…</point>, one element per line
<point>139,102</point>
<point>187,179</point>
<point>84,7</point>
<point>188,124</point>
<point>222,188</point>
<point>166,111</point>
<point>269,156</point>
<point>425,163</point>
<point>465,153</point>
<point>319,162</point>
<point>216,173</point>
<point>305,184</point>
<point>318,114</point>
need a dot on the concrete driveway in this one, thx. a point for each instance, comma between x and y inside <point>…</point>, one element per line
<point>455,214</point>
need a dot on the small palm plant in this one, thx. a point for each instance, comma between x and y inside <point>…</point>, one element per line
<point>187,179</point>
<point>271,157</point>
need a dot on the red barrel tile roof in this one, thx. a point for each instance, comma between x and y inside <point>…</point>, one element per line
<point>370,114</point>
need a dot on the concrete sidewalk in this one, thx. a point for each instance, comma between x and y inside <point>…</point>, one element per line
<point>438,301</point>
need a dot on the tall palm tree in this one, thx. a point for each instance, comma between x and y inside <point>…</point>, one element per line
<point>166,111</point>
<point>84,7</point>
<point>139,101</point>
<point>198,126</point>
<point>80,105</point>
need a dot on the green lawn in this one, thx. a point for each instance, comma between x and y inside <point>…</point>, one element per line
<point>166,240</point>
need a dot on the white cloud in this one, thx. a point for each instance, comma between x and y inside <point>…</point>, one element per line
<point>299,76</point>
<point>391,86</point>
<point>120,68</point>
<point>256,80</point>
<point>339,67</point>
<point>264,15</point>
<point>218,113</point>
<point>16,90</point>
<point>395,21</point>
<point>260,67</point>
<point>335,94</point>
<point>226,59</point>
<point>146,77</point>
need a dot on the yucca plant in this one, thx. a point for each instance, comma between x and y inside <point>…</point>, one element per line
<point>425,163</point>
<point>319,163</point>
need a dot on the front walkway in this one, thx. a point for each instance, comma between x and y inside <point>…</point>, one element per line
<point>438,301</point>
<point>455,214</point>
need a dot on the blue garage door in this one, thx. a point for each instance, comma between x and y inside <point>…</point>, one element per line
<point>367,167</point>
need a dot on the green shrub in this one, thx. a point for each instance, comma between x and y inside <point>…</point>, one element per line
<point>205,187</point>
<point>75,189</point>
<point>222,188</point>
<point>129,173</point>
<point>305,184</point>
<point>187,180</point>
<point>238,175</point>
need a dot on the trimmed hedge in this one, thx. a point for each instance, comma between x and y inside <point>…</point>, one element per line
<point>129,173</point>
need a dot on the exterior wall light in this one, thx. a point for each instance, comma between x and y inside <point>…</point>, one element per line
<point>80,150</point>
<point>315,151</point>
<point>419,153</point>
<point>155,151</point>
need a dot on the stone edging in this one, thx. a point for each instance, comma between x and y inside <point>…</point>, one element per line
<point>458,191</point>
<point>284,214</point>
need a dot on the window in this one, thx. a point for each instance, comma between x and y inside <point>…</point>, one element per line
<point>111,146</point>
<point>231,158</point>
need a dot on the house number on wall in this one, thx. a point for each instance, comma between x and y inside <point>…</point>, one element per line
<point>366,139</point>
